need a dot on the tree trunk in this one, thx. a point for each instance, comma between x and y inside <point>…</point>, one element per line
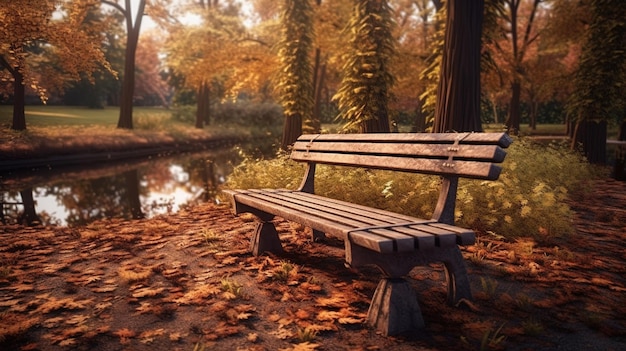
<point>128,85</point>
<point>318,82</point>
<point>619,170</point>
<point>420,118</point>
<point>128,88</point>
<point>203,105</point>
<point>513,120</point>
<point>19,116</point>
<point>592,136</point>
<point>377,125</point>
<point>199,107</point>
<point>495,111</point>
<point>534,110</point>
<point>458,93</point>
<point>292,129</point>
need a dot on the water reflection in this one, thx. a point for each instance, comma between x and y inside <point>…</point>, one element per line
<point>130,190</point>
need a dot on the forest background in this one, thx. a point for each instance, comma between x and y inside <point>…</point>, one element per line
<point>195,56</point>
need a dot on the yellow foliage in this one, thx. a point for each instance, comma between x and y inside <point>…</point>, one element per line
<point>531,192</point>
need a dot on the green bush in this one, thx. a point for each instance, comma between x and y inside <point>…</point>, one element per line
<point>246,113</point>
<point>528,200</point>
<point>184,113</point>
<point>243,113</point>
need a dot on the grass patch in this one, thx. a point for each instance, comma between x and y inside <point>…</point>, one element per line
<point>231,289</point>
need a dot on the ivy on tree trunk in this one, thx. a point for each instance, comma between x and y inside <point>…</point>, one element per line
<point>295,86</point>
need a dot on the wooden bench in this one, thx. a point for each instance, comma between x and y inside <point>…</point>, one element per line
<point>394,242</point>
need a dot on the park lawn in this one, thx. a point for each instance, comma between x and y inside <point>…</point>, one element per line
<point>61,130</point>
<point>44,115</point>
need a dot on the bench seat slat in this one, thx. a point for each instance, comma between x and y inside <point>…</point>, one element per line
<point>464,236</point>
<point>321,208</point>
<point>380,216</point>
<point>390,220</point>
<point>346,221</point>
<point>424,240</point>
<point>468,169</point>
<point>383,233</point>
<point>491,153</point>
<point>339,204</point>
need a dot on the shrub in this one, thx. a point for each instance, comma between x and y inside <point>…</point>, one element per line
<point>528,200</point>
<point>184,113</point>
<point>246,113</point>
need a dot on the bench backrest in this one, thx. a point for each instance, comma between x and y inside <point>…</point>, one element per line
<point>450,155</point>
<point>470,155</point>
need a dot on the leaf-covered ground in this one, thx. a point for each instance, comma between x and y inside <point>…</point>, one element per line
<point>186,282</point>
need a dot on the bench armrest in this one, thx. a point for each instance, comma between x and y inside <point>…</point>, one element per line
<point>308,181</point>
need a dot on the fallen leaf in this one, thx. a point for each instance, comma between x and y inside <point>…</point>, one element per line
<point>77,319</point>
<point>103,289</point>
<point>147,292</point>
<point>68,342</point>
<point>124,333</point>
<point>304,346</point>
<point>253,337</point>
<point>329,315</point>
<point>350,320</point>
<point>302,314</point>
<point>282,333</point>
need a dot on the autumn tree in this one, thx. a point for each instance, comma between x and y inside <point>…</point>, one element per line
<point>364,94</point>
<point>599,94</point>
<point>40,52</point>
<point>104,88</point>
<point>218,53</point>
<point>520,32</point>
<point>295,89</point>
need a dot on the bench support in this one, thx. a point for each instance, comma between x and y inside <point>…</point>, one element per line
<point>394,308</point>
<point>265,239</point>
<point>400,264</point>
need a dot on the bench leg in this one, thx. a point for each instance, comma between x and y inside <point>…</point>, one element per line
<point>394,308</point>
<point>265,239</point>
<point>399,265</point>
<point>317,236</point>
<point>456,277</point>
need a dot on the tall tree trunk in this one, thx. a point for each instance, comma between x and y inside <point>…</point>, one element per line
<point>591,135</point>
<point>458,93</point>
<point>494,106</point>
<point>420,117</point>
<point>619,170</point>
<point>513,120</point>
<point>534,111</point>
<point>128,91</point>
<point>292,129</point>
<point>319,74</point>
<point>203,105</point>
<point>19,96</point>
<point>128,85</point>
<point>199,107</point>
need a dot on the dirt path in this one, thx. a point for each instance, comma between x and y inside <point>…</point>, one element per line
<point>185,280</point>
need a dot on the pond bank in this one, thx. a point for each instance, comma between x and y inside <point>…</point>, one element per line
<point>98,153</point>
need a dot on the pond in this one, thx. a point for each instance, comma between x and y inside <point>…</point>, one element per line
<point>133,189</point>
